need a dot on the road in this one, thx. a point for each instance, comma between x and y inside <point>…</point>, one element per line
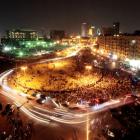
<point>57,119</point>
<point>57,114</point>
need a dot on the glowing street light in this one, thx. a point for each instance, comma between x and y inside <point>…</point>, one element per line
<point>88,67</point>
<point>51,44</point>
<point>114,57</point>
<point>58,53</point>
<point>20,54</point>
<point>78,37</point>
<point>94,50</point>
<point>113,64</point>
<point>23,68</point>
<point>102,51</point>
<point>57,41</point>
<point>29,43</point>
<point>127,59</point>
<point>6,49</point>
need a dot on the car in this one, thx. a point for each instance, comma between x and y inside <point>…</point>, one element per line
<point>38,95</point>
<point>43,96</point>
<point>8,107</point>
<point>41,101</point>
<point>110,133</point>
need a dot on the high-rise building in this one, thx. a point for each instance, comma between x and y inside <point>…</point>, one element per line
<point>84,30</point>
<point>91,31</point>
<point>116,27</point>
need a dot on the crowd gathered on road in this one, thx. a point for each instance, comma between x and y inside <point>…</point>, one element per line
<point>68,84</point>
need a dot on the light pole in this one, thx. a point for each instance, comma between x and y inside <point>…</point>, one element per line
<point>88,69</point>
<point>24,68</point>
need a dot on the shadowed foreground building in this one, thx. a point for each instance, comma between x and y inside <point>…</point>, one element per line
<point>57,34</point>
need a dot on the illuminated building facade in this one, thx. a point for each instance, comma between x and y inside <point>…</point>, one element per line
<point>124,46</point>
<point>22,34</point>
<point>91,31</point>
<point>84,30</point>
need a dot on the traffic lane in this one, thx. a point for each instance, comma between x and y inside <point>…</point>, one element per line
<point>53,131</point>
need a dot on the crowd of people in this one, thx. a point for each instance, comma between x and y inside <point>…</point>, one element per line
<point>68,84</point>
<point>15,128</point>
<point>107,87</point>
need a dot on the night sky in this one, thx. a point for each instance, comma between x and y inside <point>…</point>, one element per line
<point>68,14</point>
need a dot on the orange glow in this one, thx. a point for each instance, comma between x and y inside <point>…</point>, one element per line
<point>88,67</point>
<point>23,68</point>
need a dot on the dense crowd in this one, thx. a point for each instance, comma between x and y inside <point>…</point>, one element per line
<point>40,77</point>
<point>67,84</point>
<point>109,86</point>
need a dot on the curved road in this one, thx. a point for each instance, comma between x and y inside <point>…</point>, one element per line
<point>58,114</point>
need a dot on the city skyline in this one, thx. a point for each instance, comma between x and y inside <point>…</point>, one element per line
<point>68,16</point>
<point>69,70</point>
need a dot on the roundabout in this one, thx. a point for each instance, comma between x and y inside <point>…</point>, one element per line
<point>69,94</point>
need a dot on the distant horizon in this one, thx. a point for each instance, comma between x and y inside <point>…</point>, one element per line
<point>3,32</point>
<point>68,15</point>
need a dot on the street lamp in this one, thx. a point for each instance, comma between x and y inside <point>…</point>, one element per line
<point>88,67</point>
<point>114,57</point>
<point>113,65</point>
<point>58,53</point>
<point>23,68</point>
<point>20,54</point>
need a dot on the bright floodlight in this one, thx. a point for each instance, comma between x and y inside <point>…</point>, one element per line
<point>54,43</point>
<point>134,63</point>
<point>78,37</point>
<point>20,53</point>
<point>133,41</point>
<point>88,67</point>
<point>58,53</point>
<point>29,43</point>
<point>113,65</point>
<point>102,51</point>
<point>51,44</point>
<point>114,57</point>
<point>6,49</point>
<point>127,59</point>
<point>23,68</point>
<point>38,43</point>
<point>94,49</point>
<point>57,41</point>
